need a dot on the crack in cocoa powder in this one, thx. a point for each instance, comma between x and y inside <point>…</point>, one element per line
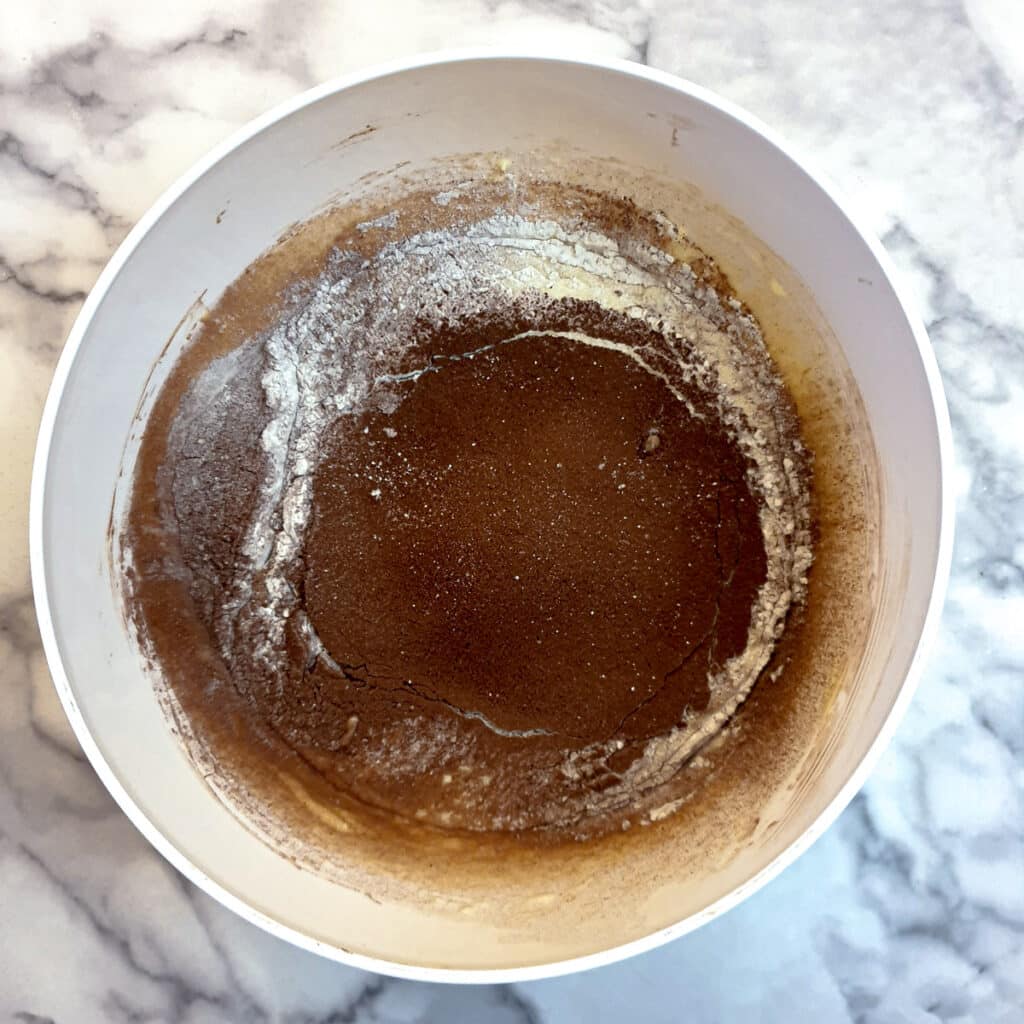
<point>479,716</point>
<point>407,686</point>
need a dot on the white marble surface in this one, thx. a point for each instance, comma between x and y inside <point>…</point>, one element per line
<point>911,909</point>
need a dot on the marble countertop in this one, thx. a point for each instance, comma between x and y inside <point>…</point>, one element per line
<point>911,908</point>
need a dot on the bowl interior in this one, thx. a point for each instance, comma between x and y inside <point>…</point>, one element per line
<point>322,151</point>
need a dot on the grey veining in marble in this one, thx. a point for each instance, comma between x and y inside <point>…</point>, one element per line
<point>911,908</point>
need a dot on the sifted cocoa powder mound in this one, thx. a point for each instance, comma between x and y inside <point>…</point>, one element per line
<point>505,544</point>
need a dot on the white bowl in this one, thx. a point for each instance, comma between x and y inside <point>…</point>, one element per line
<point>280,170</point>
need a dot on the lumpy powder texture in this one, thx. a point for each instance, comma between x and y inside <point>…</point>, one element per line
<point>491,527</point>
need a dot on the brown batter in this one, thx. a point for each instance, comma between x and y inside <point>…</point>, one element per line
<point>525,558</point>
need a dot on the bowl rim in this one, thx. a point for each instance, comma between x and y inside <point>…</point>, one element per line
<point>38,555</point>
